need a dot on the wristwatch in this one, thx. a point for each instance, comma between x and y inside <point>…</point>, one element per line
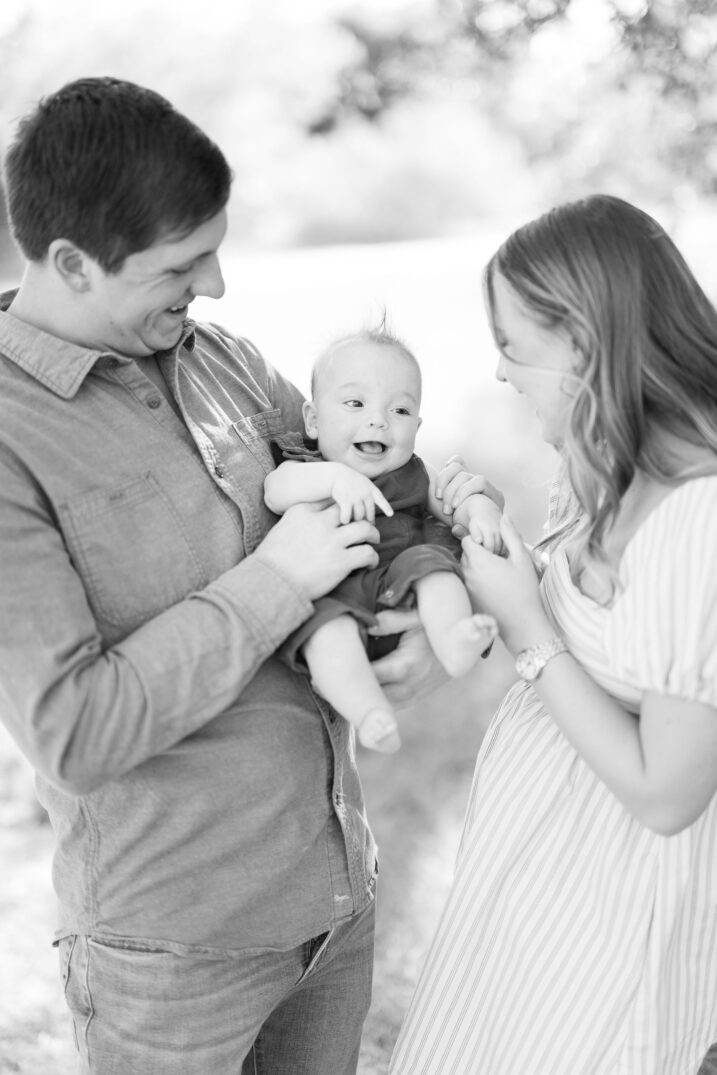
<point>530,662</point>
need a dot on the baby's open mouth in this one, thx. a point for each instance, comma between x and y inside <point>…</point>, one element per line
<point>370,447</point>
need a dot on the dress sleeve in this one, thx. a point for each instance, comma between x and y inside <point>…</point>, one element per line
<point>667,611</point>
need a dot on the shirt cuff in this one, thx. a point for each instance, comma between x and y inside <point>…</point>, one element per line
<point>270,606</point>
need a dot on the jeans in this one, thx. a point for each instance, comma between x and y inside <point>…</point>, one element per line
<point>264,1012</point>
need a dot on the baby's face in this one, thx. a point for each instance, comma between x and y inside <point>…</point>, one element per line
<point>365,407</point>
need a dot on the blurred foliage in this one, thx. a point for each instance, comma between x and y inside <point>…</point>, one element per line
<point>662,67</point>
<point>619,91</point>
<point>351,121</point>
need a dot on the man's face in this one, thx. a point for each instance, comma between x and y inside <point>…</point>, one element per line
<point>141,309</point>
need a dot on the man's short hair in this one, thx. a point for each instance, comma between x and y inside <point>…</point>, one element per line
<point>112,167</point>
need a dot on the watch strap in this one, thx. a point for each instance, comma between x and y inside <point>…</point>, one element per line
<point>530,662</point>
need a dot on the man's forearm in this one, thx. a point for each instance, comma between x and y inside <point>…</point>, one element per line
<point>83,715</point>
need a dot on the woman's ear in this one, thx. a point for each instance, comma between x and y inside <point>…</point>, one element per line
<point>70,263</point>
<point>310,421</point>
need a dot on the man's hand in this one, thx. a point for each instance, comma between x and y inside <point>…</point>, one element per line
<point>356,496</point>
<point>412,670</point>
<point>311,549</point>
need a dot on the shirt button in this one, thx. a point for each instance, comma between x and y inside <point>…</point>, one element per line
<point>154,402</point>
<point>388,594</point>
<point>220,470</point>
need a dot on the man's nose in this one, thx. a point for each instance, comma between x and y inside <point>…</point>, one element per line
<point>208,279</point>
<point>500,368</point>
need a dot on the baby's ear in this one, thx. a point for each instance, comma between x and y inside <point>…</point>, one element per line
<point>310,423</point>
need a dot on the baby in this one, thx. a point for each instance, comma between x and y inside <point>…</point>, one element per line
<point>363,419</point>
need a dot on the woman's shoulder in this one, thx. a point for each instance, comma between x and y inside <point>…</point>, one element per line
<point>669,595</point>
<point>670,557</point>
<point>685,516</point>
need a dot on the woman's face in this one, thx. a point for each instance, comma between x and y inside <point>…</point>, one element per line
<point>535,360</point>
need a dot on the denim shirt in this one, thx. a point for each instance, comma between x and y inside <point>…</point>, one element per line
<point>203,799</point>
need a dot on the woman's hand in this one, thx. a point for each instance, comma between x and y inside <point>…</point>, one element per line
<point>507,587</point>
<point>454,483</point>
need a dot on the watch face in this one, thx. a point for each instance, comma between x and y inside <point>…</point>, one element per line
<point>527,667</point>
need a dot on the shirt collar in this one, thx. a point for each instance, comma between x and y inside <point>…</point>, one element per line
<point>59,365</point>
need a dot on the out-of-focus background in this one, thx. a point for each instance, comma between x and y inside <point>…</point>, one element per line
<point>382,149</point>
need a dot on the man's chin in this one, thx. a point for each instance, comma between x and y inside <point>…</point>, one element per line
<point>164,341</point>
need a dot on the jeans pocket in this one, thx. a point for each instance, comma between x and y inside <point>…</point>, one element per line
<point>73,971</point>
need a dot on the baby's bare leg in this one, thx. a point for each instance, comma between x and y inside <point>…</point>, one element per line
<point>342,674</point>
<point>457,635</point>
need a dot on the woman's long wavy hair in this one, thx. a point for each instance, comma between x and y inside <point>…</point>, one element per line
<point>607,275</point>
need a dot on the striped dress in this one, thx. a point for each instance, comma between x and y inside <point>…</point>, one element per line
<point>574,940</point>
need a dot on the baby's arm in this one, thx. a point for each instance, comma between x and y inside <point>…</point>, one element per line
<point>477,513</point>
<point>298,483</point>
<point>480,516</point>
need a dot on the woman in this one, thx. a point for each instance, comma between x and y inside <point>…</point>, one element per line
<point>580,934</point>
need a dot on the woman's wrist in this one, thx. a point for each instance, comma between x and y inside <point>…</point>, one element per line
<point>528,633</point>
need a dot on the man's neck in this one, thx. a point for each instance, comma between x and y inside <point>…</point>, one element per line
<point>39,303</point>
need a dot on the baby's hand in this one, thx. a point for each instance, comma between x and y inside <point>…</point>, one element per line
<point>356,496</point>
<point>479,517</point>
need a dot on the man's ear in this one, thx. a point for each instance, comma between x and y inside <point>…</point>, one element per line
<point>310,423</point>
<point>70,263</point>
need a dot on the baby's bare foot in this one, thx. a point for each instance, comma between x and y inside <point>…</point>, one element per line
<point>465,642</point>
<point>378,731</point>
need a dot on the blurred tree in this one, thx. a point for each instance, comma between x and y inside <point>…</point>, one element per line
<point>362,120</point>
<point>638,85</point>
<point>666,48</point>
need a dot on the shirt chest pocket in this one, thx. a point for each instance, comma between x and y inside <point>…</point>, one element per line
<point>130,547</point>
<point>256,431</point>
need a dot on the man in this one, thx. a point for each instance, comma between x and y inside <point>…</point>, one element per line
<point>214,867</point>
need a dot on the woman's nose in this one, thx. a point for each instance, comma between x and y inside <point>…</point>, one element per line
<point>500,369</point>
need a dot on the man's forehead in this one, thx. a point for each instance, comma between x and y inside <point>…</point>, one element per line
<point>188,244</point>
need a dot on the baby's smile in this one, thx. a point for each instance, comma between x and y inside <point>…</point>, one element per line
<point>370,447</point>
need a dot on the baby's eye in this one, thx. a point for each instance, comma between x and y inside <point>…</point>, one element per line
<point>403,410</point>
<point>353,403</point>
